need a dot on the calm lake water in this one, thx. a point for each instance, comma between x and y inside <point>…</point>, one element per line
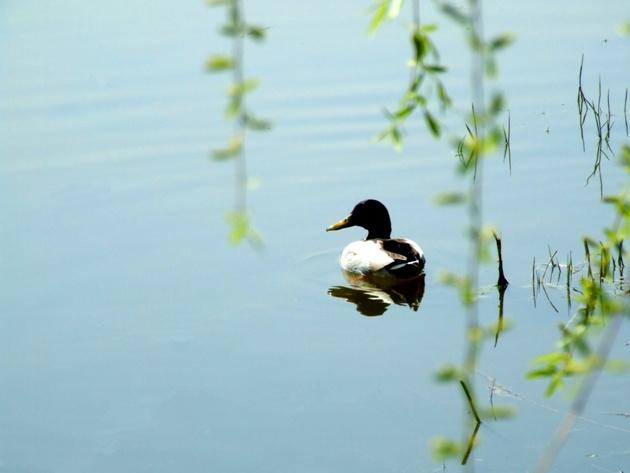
<point>134,338</point>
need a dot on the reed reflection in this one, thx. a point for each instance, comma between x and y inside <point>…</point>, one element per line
<point>373,296</point>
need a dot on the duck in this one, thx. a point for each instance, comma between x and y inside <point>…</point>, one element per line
<point>378,256</point>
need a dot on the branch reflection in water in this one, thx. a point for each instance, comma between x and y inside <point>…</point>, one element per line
<point>373,296</point>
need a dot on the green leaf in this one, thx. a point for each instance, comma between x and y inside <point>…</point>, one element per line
<point>256,123</point>
<point>416,83</point>
<point>454,13</point>
<point>624,28</point>
<point>445,100</point>
<point>617,366</point>
<point>241,228</point>
<point>625,157</point>
<point>233,107</point>
<point>435,68</point>
<point>232,30</point>
<point>491,67</point>
<point>429,27</point>
<point>492,140</point>
<point>574,366</point>
<point>553,357</point>
<point>501,41</point>
<point>257,33</point>
<point>379,15</point>
<point>474,41</point>
<point>444,449</point>
<point>497,104</point>
<point>497,411</point>
<point>219,3</point>
<point>542,372</point>
<point>220,62</point>
<point>611,199</point>
<point>396,138</point>
<point>432,123</point>
<point>555,383</point>
<point>449,198</point>
<point>404,112</point>
<point>239,224</point>
<point>391,133</point>
<point>581,345</point>
<point>420,45</point>
<point>240,88</point>
<point>232,149</point>
<point>590,242</point>
<point>420,100</point>
<point>448,373</point>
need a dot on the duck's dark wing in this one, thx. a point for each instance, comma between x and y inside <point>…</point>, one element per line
<point>408,258</point>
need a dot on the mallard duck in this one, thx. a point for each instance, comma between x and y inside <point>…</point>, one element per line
<point>378,255</point>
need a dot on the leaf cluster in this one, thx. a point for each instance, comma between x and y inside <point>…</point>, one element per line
<point>425,84</point>
<point>598,302</point>
<point>241,228</point>
<point>236,29</point>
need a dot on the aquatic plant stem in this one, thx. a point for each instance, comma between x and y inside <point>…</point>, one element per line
<point>240,205</point>
<point>476,190</point>
<point>473,436</point>
<point>475,214</point>
<point>415,5</point>
<point>502,281</point>
<point>471,403</point>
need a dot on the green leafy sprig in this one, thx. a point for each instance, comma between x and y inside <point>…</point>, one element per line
<point>236,28</point>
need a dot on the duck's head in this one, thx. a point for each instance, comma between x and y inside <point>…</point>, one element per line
<point>369,214</point>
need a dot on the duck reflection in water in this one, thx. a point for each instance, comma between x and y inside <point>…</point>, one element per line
<point>373,296</point>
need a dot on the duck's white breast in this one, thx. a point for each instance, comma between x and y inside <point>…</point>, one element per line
<point>364,257</point>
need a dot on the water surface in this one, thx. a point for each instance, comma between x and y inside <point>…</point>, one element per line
<point>135,338</point>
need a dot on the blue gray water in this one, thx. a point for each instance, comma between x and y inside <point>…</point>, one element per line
<point>135,338</point>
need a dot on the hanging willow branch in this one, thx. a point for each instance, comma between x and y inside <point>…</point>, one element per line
<point>237,29</point>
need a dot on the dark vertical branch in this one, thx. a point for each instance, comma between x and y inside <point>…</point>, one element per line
<point>625,111</point>
<point>569,276</point>
<point>507,148</point>
<point>588,259</point>
<point>582,104</point>
<point>473,436</point>
<point>500,320</point>
<point>534,280</point>
<point>502,281</point>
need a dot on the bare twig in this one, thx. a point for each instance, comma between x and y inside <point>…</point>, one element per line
<point>502,281</point>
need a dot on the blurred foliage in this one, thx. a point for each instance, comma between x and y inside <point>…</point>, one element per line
<point>444,448</point>
<point>624,28</point>
<point>237,29</point>
<point>584,345</point>
<point>241,228</point>
<point>600,300</point>
<point>484,136</point>
<point>425,84</point>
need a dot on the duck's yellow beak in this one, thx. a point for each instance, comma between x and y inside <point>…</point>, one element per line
<point>345,223</point>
